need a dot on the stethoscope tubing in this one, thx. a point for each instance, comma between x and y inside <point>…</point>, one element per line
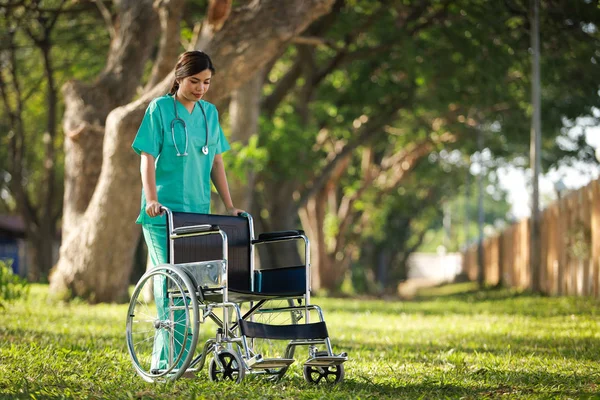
<point>182,122</point>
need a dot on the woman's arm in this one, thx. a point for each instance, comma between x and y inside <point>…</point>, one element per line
<point>148,173</point>
<point>219,178</point>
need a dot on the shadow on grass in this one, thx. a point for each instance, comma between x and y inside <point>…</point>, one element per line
<point>499,345</point>
<point>493,301</point>
<point>468,293</point>
<point>437,381</point>
<point>68,341</point>
<point>478,385</point>
<point>354,387</point>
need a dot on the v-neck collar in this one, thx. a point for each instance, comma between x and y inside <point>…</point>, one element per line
<point>188,113</point>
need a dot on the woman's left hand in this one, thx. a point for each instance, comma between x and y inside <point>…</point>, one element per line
<point>234,211</point>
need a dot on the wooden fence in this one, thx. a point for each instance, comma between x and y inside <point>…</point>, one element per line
<point>570,259</point>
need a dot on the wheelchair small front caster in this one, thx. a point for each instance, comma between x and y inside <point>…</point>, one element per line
<point>231,367</point>
<point>331,374</point>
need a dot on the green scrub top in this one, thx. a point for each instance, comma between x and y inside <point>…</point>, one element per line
<point>182,182</point>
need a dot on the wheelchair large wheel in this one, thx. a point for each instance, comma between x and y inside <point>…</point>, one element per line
<point>162,324</point>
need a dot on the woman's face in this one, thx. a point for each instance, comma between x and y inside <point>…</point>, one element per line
<point>193,88</point>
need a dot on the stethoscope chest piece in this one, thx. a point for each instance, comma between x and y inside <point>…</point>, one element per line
<point>205,150</point>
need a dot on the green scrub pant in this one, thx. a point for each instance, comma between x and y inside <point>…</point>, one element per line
<point>156,240</point>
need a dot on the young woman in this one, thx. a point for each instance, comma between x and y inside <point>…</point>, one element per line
<point>180,142</point>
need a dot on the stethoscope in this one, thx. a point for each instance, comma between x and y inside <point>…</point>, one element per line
<point>182,122</point>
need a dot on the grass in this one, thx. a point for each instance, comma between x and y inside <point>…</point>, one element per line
<point>452,342</point>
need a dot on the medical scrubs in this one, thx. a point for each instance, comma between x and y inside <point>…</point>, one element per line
<point>182,184</point>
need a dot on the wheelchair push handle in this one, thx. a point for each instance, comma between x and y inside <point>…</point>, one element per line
<point>164,209</point>
<point>187,230</point>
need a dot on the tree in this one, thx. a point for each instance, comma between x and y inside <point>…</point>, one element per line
<point>32,69</point>
<point>349,115</point>
<point>377,72</point>
<point>98,233</point>
<point>341,103</point>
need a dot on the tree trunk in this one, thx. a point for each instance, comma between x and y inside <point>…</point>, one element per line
<point>42,252</point>
<point>274,210</point>
<point>88,104</point>
<point>100,207</point>
<point>383,260</point>
<point>327,267</point>
<point>170,18</point>
<point>333,255</point>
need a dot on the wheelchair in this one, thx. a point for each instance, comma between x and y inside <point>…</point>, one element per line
<point>261,314</point>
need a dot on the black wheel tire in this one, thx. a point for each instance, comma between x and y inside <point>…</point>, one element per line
<point>232,367</point>
<point>326,375</point>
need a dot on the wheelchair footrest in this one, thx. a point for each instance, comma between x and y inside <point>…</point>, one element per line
<point>266,363</point>
<point>326,361</point>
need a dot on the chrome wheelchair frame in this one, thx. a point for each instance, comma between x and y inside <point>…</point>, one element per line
<point>211,275</point>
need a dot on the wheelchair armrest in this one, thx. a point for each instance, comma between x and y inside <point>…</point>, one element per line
<point>185,230</point>
<point>281,235</point>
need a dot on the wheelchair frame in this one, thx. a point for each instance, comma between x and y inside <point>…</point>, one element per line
<point>196,289</point>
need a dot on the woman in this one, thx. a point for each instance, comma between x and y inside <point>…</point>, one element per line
<point>180,142</point>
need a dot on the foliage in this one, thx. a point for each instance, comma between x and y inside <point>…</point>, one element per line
<point>393,75</point>
<point>43,45</point>
<point>383,77</point>
<point>12,287</point>
<point>454,343</point>
<point>248,156</point>
<point>75,44</point>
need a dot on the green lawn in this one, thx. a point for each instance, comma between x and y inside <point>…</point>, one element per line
<point>450,343</point>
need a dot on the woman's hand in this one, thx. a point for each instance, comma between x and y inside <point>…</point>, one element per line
<point>234,211</point>
<point>153,208</point>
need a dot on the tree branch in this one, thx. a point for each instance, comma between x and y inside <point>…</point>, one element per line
<point>365,133</point>
<point>430,20</point>
<point>54,18</point>
<point>5,100</point>
<point>108,18</point>
<point>285,84</point>
<point>342,52</point>
<point>48,185</point>
<point>17,146</point>
<point>314,41</point>
<point>245,37</point>
<point>516,10</point>
<point>169,13</point>
<point>401,163</point>
<point>288,82</point>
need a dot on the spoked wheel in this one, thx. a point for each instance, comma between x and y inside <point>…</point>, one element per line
<point>162,324</point>
<point>230,368</point>
<point>329,375</point>
<point>270,348</point>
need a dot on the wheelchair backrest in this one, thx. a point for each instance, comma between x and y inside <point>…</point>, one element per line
<point>209,247</point>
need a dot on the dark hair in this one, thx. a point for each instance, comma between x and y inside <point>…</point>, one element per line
<point>190,63</point>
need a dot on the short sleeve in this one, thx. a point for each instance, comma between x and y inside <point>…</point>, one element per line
<point>222,143</point>
<point>149,138</point>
